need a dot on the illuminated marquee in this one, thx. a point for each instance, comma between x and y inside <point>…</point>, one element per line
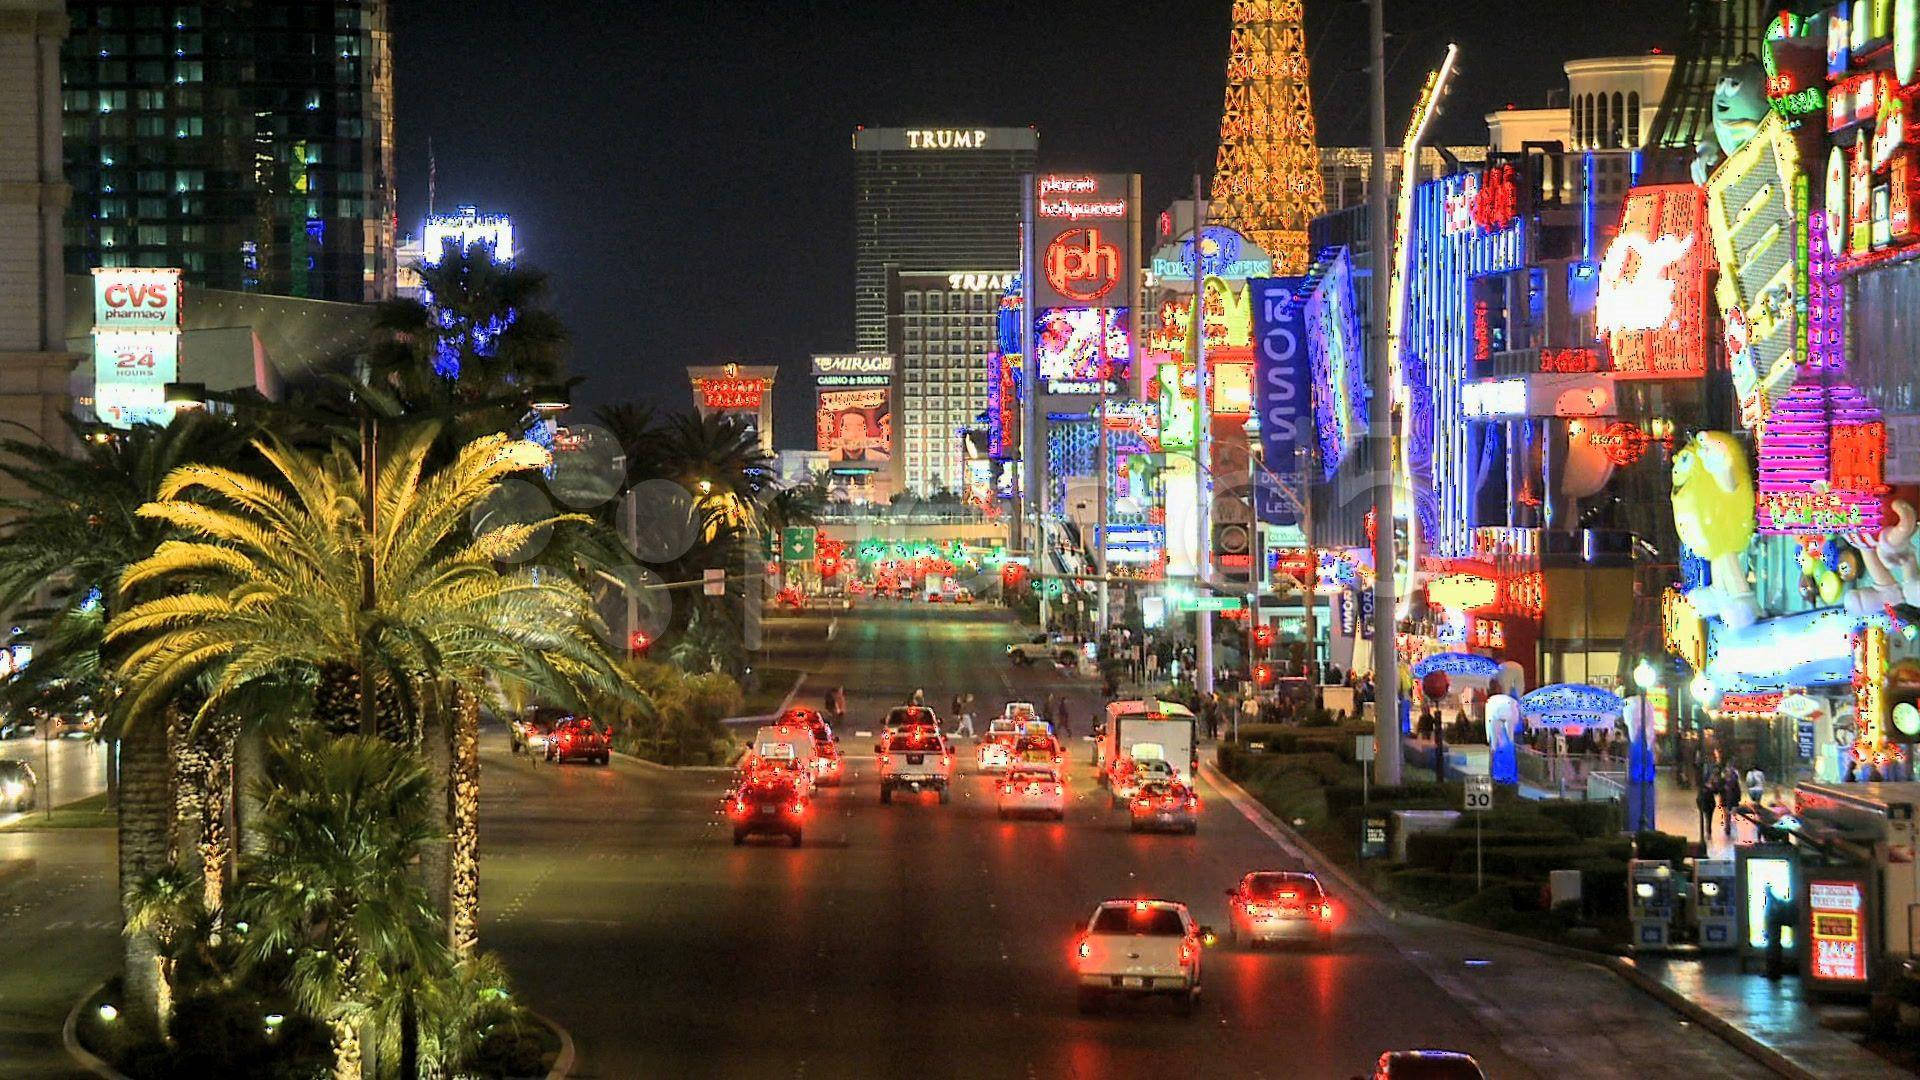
<point>1077,349</point>
<point>1750,209</point>
<point>1651,308</point>
<point>128,298</point>
<point>1485,202</point>
<point>136,344</point>
<point>1337,357</point>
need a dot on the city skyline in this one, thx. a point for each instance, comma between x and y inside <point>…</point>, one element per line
<point>633,239</point>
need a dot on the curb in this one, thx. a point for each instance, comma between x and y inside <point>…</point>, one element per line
<point>563,1061</point>
<point>71,1040</point>
<point>1728,1032</point>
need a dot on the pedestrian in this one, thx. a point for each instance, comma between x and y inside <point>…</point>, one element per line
<point>1729,795</point>
<point>958,703</point>
<point>1780,916</point>
<point>1853,770</point>
<point>918,697</point>
<point>837,705</point>
<point>963,708</point>
<point>1060,719</point>
<point>1210,709</point>
<point>1756,784</point>
<point>1250,709</point>
<point>1704,800</point>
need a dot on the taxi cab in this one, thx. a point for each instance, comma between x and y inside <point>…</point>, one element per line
<point>1037,746</point>
<point>994,751</point>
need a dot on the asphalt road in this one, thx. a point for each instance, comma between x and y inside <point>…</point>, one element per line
<point>922,940</point>
<point>68,769</point>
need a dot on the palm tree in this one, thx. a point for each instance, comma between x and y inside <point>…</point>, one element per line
<point>344,817</point>
<point>263,611</point>
<point>480,335</point>
<point>68,533</point>
<point>717,457</point>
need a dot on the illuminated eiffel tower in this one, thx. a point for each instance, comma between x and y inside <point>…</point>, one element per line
<point>1266,182</point>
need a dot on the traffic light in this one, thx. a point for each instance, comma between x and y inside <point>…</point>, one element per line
<point>1263,635</point>
<point>638,642</point>
<point>1903,704</point>
<point>1263,674</point>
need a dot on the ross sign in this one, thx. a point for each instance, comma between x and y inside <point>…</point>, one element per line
<point>131,370</point>
<point>136,298</point>
<point>1651,307</point>
<point>1837,924</point>
<point>1082,239</point>
<point>1210,603</point>
<point>1281,390</point>
<point>1479,792</point>
<point>713,581</point>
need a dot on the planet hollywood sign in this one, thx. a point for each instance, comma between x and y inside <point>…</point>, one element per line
<point>1077,198</point>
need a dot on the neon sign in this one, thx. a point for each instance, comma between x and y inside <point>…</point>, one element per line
<point>1081,266</point>
<point>946,139</point>
<point>1485,203</point>
<point>738,393</point>
<point>1569,361</point>
<point>1836,914</point>
<point>1334,350</point>
<point>1750,209</point>
<point>1506,397</point>
<point>1651,305</point>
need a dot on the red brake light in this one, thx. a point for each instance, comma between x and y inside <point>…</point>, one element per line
<point>1085,950</point>
<point>797,808</point>
<point>1289,895</point>
<point>1143,804</point>
<point>1006,789</point>
<point>1186,952</point>
<point>1326,912</point>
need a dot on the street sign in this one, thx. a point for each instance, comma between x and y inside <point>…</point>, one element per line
<point>1479,792</point>
<point>1211,603</point>
<point>1365,747</point>
<point>713,582</point>
<point>1373,837</point>
<point>796,544</point>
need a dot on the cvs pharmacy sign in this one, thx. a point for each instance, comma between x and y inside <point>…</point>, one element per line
<point>136,298</point>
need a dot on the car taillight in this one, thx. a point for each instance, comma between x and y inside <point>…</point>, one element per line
<point>1056,759</point>
<point>1326,912</point>
<point>1143,804</point>
<point>1053,789</point>
<point>739,806</point>
<point>1086,949</point>
<point>1006,789</point>
<point>1186,952</point>
<point>797,809</point>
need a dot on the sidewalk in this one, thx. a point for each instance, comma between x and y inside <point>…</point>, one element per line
<point>1778,1023</point>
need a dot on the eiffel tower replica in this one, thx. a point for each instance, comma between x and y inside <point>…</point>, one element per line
<point>1266,181</point>
<point>1720,33</point>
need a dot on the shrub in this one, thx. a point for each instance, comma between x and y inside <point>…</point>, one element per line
<point>1431,888</point>
<point>1586,819</point>
<point>1445,850</point>
<point>1531,862</point>
<point>1662,845</point>
<point>1323,768</point>
<point>1414,796</point>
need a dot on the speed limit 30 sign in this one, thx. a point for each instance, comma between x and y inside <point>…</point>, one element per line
<point>1480,792</point>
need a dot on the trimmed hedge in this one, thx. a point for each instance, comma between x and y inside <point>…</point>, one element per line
<point>1588,820</point>
<point>1444,851</point>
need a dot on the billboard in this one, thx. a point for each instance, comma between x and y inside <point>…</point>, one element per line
<point>136,298</point>
<point>1077,349</point>
<point>1281,390</point>
<point>1750,209</point>
<point>1082,237</point>
<point>1338,360</point>
<point>855,426</point>
<point>1651,308</point>
<point>131,370</point>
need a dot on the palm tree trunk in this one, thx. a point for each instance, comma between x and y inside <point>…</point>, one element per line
<point>463,925</point>
<point>146,810</point>
<point>436,746</point>
<point>249,751</point>
<point>346,1048</point>
<point>202,764</point>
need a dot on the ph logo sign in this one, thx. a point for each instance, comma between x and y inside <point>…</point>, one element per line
<point>128,298</point>
<point>1081,266</point>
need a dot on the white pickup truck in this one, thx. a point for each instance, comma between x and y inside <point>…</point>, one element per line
<point>1140,948</point>
<point>1044,649</point>
<point>915,759</point>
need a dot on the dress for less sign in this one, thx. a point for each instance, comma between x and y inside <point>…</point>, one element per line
<point>136,343</point>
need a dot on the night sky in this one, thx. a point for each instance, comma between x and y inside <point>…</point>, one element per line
<point>684,171</point>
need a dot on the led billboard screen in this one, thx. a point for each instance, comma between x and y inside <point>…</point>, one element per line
<point>1077,348</point>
